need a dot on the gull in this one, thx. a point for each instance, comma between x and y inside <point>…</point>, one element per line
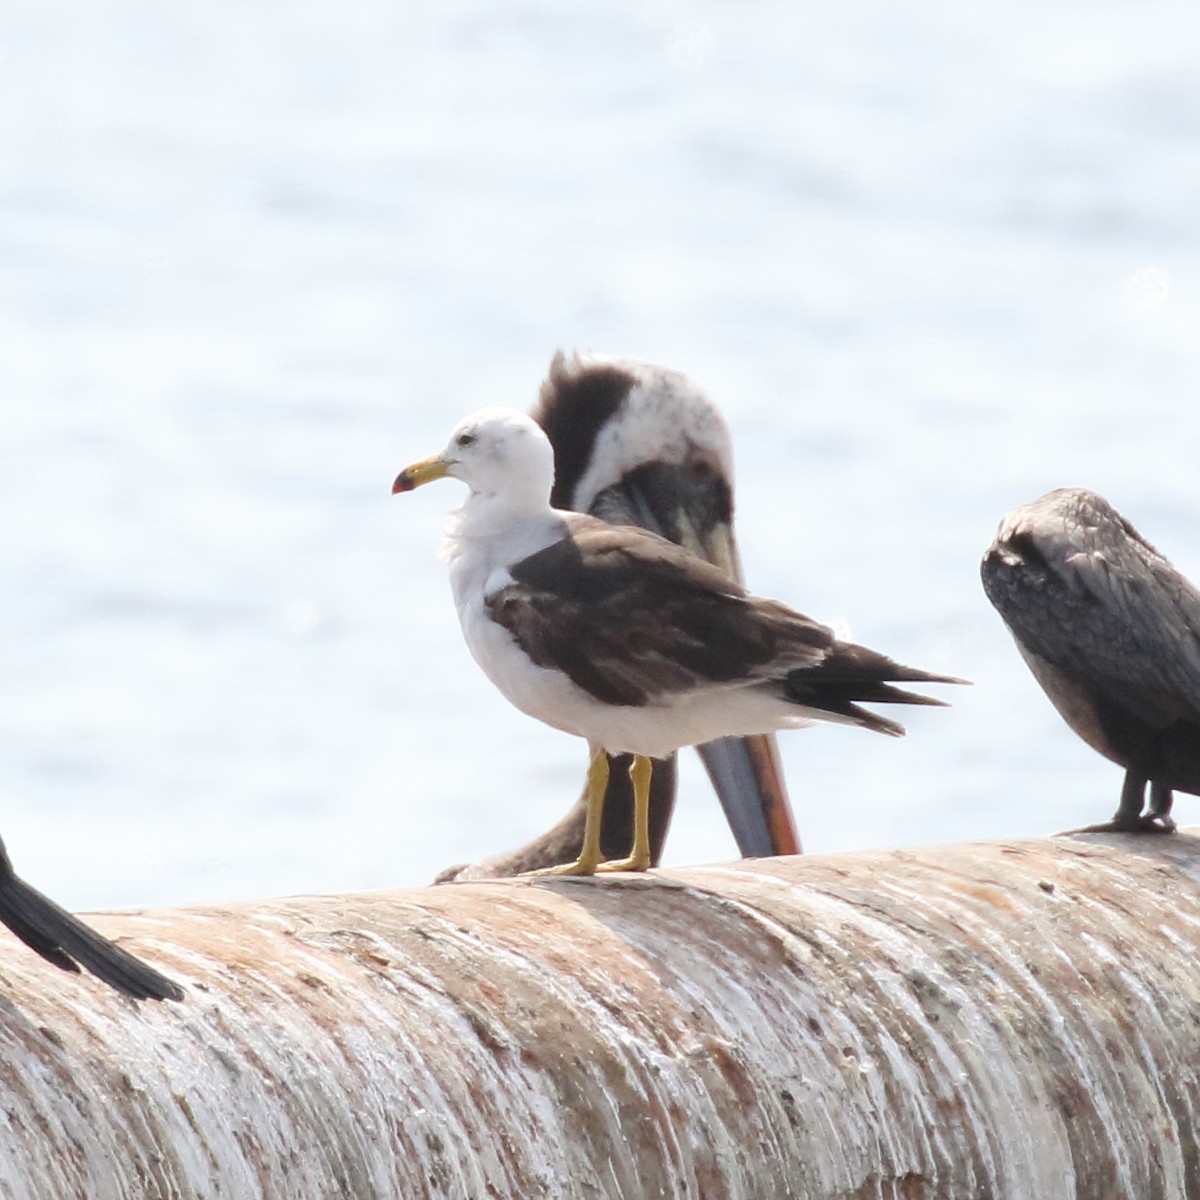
<point>1111,631</point>
<point>636,443</point>
<point>619,636</point>
<point>68,943</point>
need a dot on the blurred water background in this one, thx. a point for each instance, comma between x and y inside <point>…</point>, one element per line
<point>931,260</point>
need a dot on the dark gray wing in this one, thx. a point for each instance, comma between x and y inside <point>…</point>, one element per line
<point>633,619</point>
<point>1080,588</point>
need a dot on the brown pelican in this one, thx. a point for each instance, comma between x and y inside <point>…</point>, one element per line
<point>621,637</point>
<point>68,943</point>
<point>637,444</point>
<point>1112,633</point>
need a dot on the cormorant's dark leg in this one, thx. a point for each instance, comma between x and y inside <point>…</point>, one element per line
<point>1128,816</point>
<point>1161,799</point>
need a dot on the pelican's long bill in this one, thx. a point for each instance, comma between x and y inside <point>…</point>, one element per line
<point>691,505</point>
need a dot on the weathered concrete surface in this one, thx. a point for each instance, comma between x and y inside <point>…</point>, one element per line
<point>1011,1020</point>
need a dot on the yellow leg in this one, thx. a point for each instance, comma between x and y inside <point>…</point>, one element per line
<point>639,857</point>
<point>589,855</point>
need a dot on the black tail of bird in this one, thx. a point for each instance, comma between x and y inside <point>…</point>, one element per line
<point>851,675</point>
<point>64,940</point>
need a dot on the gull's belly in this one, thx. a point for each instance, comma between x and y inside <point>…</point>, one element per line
<point>548,695</point>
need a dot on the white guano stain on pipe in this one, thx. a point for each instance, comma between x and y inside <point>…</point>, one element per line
<point>998,1020</point>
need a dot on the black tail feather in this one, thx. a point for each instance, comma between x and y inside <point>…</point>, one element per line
<point>64,940</point>
<point>853,675</point>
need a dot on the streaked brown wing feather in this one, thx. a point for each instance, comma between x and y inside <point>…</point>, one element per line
<point>633,619</point>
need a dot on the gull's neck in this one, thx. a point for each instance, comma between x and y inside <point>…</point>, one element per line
<point>498,528</point>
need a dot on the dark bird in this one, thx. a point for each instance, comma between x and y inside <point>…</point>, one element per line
<point>1111,631</point>
<point>637,444</point>
<point>68,943</point>
<point>621,637</point>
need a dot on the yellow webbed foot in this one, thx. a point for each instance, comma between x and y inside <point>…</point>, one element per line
<point>581,866</point>
<point>635,862</point>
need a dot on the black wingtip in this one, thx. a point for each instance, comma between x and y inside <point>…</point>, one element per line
<point>874,722</point>
<point>884,693</point>
<point>897,673</point>
<point>851,676</point>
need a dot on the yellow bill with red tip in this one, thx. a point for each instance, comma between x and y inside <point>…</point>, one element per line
<point>425,471</point>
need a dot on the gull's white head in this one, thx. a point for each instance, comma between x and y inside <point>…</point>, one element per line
<point>499,453</point>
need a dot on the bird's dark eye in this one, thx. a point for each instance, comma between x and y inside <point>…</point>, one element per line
<point>464,439</point>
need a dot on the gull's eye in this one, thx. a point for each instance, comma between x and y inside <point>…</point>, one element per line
<point>464,439</point>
